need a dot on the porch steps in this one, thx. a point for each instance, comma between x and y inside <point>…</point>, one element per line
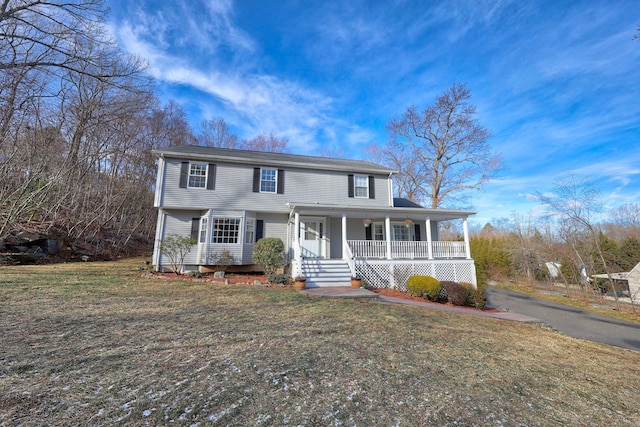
<point>322,273</point>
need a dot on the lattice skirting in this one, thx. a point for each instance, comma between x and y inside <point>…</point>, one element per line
<point>394,274</point>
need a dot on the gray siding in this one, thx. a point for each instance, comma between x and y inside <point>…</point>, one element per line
<point>234,189</point>
<point>179,222</point>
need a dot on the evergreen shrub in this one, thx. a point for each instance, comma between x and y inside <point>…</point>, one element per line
<point>424,287</point>
<point>267,252</point>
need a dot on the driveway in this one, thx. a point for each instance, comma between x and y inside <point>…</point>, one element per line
<point>568,320</point>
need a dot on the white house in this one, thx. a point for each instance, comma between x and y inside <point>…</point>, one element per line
<point>338,218</point>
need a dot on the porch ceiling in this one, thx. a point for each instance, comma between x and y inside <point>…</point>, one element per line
<point>416,214</point>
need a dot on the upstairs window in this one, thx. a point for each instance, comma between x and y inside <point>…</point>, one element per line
<point>197,175</point>
<point>361,184</point>
<point>268,180</point>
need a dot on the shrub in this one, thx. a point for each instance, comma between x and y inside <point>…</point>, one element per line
<point>475,297</point>
<point>424,287</point>
<point>280,279</point>
<point>267,252</point>
<point>457,294</point>
<point>224,259</point>
<point>176,248</point>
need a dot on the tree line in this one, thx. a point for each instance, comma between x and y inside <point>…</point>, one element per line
<point>78,121</point>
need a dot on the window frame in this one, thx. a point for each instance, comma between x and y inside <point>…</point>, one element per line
<point>190,174</point>
<point>250,231</point>
<point>269,182</point>
<point>364,178</point>
<point>229,233</point>
<point>202,233</point>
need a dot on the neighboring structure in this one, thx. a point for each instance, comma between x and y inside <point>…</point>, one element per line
<point>631,279</point>
<point>337,218</point>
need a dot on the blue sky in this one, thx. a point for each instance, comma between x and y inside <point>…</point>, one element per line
<point>557,82</point>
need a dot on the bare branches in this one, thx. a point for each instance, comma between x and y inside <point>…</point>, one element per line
<point>448,143</point>
<point>270,143</point>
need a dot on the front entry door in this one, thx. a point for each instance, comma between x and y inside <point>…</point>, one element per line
<point>312,237</point>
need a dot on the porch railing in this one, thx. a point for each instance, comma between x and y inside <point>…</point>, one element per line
<point>407,250</point>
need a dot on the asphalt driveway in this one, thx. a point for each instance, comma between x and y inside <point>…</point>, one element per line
<point>568,320</point>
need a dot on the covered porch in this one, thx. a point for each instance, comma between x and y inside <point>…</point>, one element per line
<point>376,244</point>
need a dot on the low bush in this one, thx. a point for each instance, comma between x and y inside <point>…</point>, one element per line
<point>267,252</point>
<point>457,294</point>
<point>279,279</point>
<point>424,287</point>
<point>475,297</point>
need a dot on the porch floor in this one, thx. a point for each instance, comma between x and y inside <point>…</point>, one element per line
<point>342,292</point>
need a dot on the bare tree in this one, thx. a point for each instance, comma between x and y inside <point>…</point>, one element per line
<point>577,202</point>
<point>53,35</point>
<point>410,182</point>
<point>449,145</point>
<point>267,143</point>
<point>216,133</point>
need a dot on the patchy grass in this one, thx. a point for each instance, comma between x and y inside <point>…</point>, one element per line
<point>96,344</point>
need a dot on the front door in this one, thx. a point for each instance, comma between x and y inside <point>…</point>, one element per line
<point>312,237</point>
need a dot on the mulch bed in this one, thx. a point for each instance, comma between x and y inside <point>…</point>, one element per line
<point>406,295</point>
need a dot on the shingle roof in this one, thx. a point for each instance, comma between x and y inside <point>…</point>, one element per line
<point>270,159</point>
<point>400,202</point>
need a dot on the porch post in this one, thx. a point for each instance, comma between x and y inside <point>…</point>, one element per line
<point>344,236</point>
<point>387,226</point>
<point>467,247</point>
<point>429,241</point>
<point>297,256</point>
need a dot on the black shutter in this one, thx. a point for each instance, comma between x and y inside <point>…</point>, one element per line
<point>372,187</point>
<point>211,177</point>
<point>280,181</point>
<point>195,227</point>
<point>259,229</point>
<point>367,232</point>
<point>184,174</point>
<point>256,180</point>
<point>417,232</point>
<point>351,185</point>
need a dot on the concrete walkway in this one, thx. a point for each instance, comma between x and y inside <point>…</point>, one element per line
<point>342,292</point>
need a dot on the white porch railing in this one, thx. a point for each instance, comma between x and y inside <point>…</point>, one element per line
<point>372,249</point>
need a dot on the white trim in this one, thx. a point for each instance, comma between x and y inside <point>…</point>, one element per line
<point>429,238</point>
<point>206,175</point>
<point>157,199</point>
<point>387,227</point>
<point>275,188</point>
<point>159,232</point>
<point>465,228</point>
<point>355,187</point>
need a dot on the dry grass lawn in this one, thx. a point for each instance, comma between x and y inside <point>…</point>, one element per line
<point>97,344</point>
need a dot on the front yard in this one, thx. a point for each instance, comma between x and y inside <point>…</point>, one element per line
<point>97,344</point>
